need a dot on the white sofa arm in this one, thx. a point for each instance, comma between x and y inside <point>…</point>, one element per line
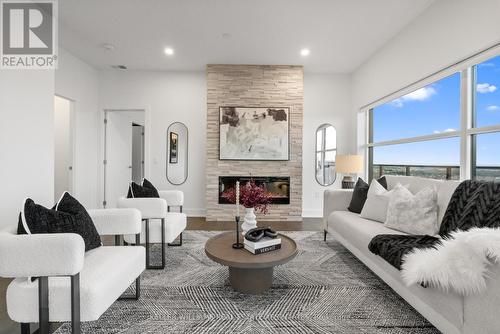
<point>173,197</point>
<point>58,254</point>
<point>150,208</point>
<point>116,221</point>
<point>336,200</point>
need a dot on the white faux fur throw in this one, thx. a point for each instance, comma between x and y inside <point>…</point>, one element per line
<point>459,264</point>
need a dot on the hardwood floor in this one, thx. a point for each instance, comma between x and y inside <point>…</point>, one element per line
<point>308,224</point>
<point>7,326</point>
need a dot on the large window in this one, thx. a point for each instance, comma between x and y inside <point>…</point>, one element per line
<point>445,130</point>
<point>428,110</point>
<point>418,133</point>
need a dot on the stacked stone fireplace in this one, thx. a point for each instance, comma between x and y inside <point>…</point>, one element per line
<point>255,86</point>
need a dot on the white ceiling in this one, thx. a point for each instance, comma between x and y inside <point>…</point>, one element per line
<point>341,34</point>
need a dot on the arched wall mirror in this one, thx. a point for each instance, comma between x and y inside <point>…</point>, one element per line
<point>177,153</point>
<point>326,151</point>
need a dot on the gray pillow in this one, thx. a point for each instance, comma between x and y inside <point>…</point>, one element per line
<point>413,214</point>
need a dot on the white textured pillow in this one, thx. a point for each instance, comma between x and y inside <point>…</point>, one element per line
<point>413,214</point>
<point>377,199</point>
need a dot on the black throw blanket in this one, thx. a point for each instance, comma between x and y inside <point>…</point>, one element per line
<point>473,204</point>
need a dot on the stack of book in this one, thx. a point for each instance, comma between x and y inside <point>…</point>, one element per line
<point>262,246</point>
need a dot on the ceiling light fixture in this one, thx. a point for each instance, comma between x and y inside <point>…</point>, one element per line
<point>305,52</point>
<point>169,51</point>
<point>108,47</point>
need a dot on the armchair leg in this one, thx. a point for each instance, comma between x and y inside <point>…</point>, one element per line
<point>177,244</point>
<point>75,304</point>
<point>43,305</point>
<point>148,263</point>
<point>324,235</point>
<point>25,328</point>
<point>137,291</point>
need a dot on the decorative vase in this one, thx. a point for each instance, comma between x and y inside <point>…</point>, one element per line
<point>249,221</point>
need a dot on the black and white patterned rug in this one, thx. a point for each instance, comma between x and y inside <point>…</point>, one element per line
<point>324,289</point>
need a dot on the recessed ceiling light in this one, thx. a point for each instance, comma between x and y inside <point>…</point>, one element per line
<point>119,67</point>
<point>226,35</point>
<point>305,52</point>
<point>169,51</point>
<point>108,47</point>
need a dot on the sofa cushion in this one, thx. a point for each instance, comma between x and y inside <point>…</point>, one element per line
<point>360,193</point>
<point>68,216</point>
<point>375,207</point>
<point>392,247</point>
<point>360,230</point>
<point>146,190</point>
<point>413,213</point>
<point>415,184</point>
<point>106,274</point>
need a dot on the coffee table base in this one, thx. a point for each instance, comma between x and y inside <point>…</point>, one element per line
<point>251,281</point>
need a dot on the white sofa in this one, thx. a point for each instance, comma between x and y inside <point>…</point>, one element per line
<point>449,312</point>
<point>161,224</point>
<point>73,285</point>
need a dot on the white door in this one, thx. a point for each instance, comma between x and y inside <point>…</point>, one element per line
<point>118,166</point>
<point>63,147</point>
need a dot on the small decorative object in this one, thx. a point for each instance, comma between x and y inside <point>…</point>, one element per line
<point>253,197</point>
<point>349,164</point>
<point>238,244</point>
<point>254,133</point>
<point>262,240</point>
<point>174,137</point>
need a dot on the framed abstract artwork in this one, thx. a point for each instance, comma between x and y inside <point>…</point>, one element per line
<point>247,133</point>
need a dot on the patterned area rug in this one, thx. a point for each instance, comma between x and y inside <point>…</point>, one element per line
<point>324,289</point>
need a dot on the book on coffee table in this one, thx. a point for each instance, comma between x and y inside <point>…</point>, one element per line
<point>262,246</point>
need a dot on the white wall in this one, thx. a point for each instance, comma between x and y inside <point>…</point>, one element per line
<point>63,157</point>
<point>445,33</point>
<point>327,99</point>
<point>79,82</point>
<point>167,97</point>
<point>26,140</point>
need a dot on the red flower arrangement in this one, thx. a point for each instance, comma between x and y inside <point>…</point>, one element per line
<point>251,196</point>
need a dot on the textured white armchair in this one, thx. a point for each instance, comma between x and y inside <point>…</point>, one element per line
<point>160,225</point>
<point>72,285</point>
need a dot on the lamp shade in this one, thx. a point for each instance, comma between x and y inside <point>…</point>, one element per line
<point>349,164</point>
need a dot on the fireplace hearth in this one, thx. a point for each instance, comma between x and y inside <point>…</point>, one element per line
<point>278,187</point>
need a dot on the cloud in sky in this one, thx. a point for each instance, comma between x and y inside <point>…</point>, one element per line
<point>487,65</point>
<point>447,130</point>
<point>421,94</point>
<point>486,88</point>
<point>492,108</point>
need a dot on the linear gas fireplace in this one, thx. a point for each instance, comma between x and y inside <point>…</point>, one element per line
<point>277,186</point>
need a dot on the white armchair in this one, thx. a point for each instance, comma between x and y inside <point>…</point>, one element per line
<point>72,285</point>
<point>160,225</point>
<point>174,198</point>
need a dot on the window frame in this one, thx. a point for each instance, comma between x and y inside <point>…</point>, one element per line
<point>467,131</point>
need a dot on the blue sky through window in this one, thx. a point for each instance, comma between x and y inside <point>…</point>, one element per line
<point>488,93</point>
<point>436,109</point>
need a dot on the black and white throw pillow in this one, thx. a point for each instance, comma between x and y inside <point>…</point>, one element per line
<point>68,216</point>
<point>146,190</point>
<point>360,193</point>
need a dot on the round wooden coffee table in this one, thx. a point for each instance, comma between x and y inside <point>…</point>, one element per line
<point>249,273</point>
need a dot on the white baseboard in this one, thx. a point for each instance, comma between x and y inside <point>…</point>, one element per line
<point>312,213</point>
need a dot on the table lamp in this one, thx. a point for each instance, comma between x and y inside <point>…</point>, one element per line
<point>348,164</point>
